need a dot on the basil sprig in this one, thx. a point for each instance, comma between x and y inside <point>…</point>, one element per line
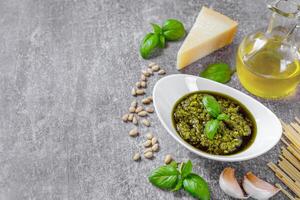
<point>169,177</point>
<point>214,109</point>
<point>219,72</point>
<point>171,30</point>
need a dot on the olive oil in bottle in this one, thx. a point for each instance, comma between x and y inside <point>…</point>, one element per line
<point>268,61</point>
<point>269,72</point>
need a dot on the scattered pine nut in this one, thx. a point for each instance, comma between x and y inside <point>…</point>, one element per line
<point>143,84</point>
<point>155,147</point>
<point>145,73</point>
<point>155,68</point>
<point>150,71</point>
<point>168,159</point>
<point>130,117</point>
<point>133,91</point>
<point>149,110</point>
<point>146,122</point>
<point>142,113</point>
<point>150,97</point>
<point>151,64</point>
<point>148,155</point>
<point>133,104</point>
<point>139,109</point>
<point>136,157</point>
<point>134,120</point>
<point>133,133</point>
<point>146,101</point>
<point>154,140</point>
<point>131,109</point>
<point>147,143</point>
<point>149,136</point>
<point>148,150</point>
<point>138,84</point>
<point>143,77</point>
<point>140,91</point>
<point>125,118</point>
<point>161,72</point>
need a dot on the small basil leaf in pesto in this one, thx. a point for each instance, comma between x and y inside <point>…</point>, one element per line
<point>219,72</point>
<point>222,117</point>
<point>148,44</point>
<point>196,186</point>
<point>164,177</point>
<point>156,28</point>
<point>211,128</point>
<point>173,29</point>
<point>162,41</point>
<point>211,105</point>
<point>186,169</point>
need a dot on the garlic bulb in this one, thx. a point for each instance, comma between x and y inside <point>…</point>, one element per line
<point>258,188</point>
<point>230,185</point>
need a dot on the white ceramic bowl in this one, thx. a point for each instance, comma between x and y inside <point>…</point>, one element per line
<point>170,88</point>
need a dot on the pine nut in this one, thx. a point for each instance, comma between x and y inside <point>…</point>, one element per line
<point>149,110</point>
<point>149,136</point>
<point>130,117</point>
<point>155,147</point>
<point>146,101</point>
<point>148,155</point>
<point>143,77</point>
<point>143,84</point>
<point>145,73</point>
<point>147,143</point>
<point>148,150</point>
<point>151,64</point>
<point>133,104</point>
<point>154,140</point>
<point>138,84</point>
<point>139,109</point>
<point>131,109</point>
<point>161,72</point>
<point>133,133</point>
<point>136,157</point>
<point>133,92</point>
<point>155,68</point>
<point>150,71</point>
<point>142,113</point>
<point>140,91</point>
<point>146,122</point>
<point>150,97</point>
<point>168,159</point>
<point>125,118</point>
<point>134,120</point>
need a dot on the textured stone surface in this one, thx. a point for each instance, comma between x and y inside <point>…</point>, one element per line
<point>66,71</point>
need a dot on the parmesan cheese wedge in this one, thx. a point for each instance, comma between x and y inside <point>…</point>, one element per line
<point>210,32</point>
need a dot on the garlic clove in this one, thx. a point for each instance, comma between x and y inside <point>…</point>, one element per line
<point>230,185</point>
<point>257,188</point>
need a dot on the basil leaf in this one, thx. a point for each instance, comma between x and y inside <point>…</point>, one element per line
<point>219,72</point>
<point>156,28</point>
<point>211,105</point>
<point>162,41</point>
<point>186,169</point>
<point>223,116</point>
<point>164,177</point>
<point>211,128</point>
<point>196,186</point>
<point>148,44</point>
<point>178,185</point>
<point>173,29</point>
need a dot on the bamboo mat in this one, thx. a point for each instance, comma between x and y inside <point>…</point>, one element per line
<point>287,168</point>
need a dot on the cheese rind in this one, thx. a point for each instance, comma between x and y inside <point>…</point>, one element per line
<point>210,32</point>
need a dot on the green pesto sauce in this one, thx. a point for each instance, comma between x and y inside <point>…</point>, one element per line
<point>234,135</point>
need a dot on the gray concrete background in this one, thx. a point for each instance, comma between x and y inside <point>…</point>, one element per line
<point>67,68</point>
